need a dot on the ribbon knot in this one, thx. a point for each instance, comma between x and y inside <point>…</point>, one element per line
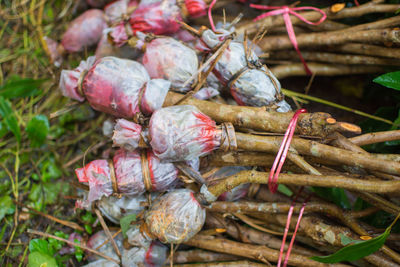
<point>286,11</point>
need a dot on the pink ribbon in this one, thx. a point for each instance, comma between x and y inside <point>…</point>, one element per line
<point>283,150</point>
<point>286,11</point>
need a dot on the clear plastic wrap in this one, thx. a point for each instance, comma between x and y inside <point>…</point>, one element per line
<point>206,93</point>
<point>177,133</point>
<point>128,175</point>
<point>115,208</point>
<point>115,10</point>
<point>175,217</point>
<point>182,133</point>
<point>97,240</point>
<point>151,256</point>
<point>113,85</point>
<point>235,193</point>
<point>172,60</point>
<point>249,82</point>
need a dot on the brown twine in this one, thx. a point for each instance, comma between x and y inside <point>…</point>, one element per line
<point>114,182</point>
<point>139,117</point>
<point>182,6</point>
<point>228,137</point>
<point>146,171</point>
<point>80,82</point>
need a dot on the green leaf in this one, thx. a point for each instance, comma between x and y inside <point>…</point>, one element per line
<point>125,222</point>
<point>7,113</point>
<point>39,259</point>
<point>3,129</point>
<point>39,245</point>
<point>50,170</point>
<point>6,206</point>
<point>18,87</point>
<point>336,195</point>
<point>358,250</point>
<point>391,80</point>
<point>37,130</point>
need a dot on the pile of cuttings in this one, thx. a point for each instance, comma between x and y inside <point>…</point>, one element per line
<point>202,134</point>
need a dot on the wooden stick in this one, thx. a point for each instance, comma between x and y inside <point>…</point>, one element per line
<point>261,118</point>
<point>377,137</point>
<point>335,58</point>
<point>46,235</point>
<point>198,255</point>
<point>107,231</point>
<point>366,49</point>
<point>330,38</point>
<point>297,69</point>
<point>251,251</point>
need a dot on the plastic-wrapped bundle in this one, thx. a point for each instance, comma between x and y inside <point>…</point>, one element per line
<point>84,31</point>
<point>172,60</point>
<point>159,17</point>
<point>206,93</point>
<point>116,86</point>
<point>249,82</point>
<point>175,217</point>
<point>96,242</point>
<point>130,173</point>
<point>115,10</point>
<point>178,133</point>
<point>115,208</point>
<point>235,193</point>
<point>152,256</point>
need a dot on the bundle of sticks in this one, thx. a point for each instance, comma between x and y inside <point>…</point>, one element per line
<point>332,47</point>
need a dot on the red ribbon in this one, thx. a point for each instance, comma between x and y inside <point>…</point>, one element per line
<point>286,11</point>
<point>283,150</point>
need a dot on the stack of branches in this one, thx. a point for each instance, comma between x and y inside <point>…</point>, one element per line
<point>332,47</point>
<point>248,229</point>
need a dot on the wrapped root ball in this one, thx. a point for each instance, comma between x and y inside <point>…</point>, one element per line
<point>158,18</point>
<point>115,208</point>
<point>115,10</point>
<point>154,256</point>
<point>114,86</point>
<point>170,59</point>
<point>182,133</point>
<point>175,217</point>
<point>130,173</point>
<point>249,82</point>
<point>97,241</point>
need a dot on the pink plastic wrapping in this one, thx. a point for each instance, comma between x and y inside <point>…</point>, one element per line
<point>254,86</point>
<point>128,174</point>
<point>158,18</point>
<point>182,133</point>
<point>235,193</point>
<point>113,85</point>
<point>84,31</point>
<point>177,133</point>
<point>175,217</point>
<point>172,60</point>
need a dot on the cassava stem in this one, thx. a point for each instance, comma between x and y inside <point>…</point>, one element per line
<point>251,251</point>
<point>297,69</point>
<point>375,186</point>
<point>259,118</point>
<point>311,148</point>
<point>377,137</point>
<point>330,38</point>
<point>367,49</point>
<point>336,58</point>
<point>198,255</point>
